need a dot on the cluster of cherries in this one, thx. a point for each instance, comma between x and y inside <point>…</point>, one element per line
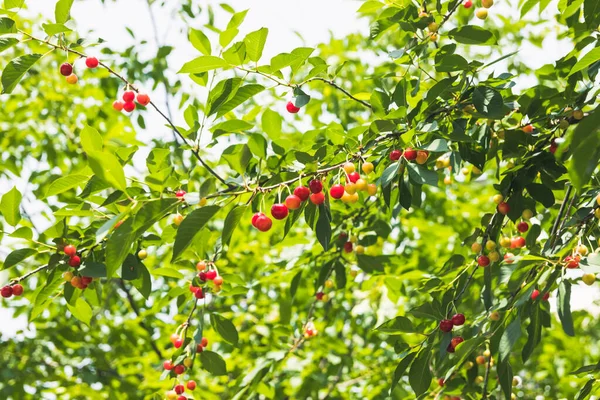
<point>177,392</point>
<point>79,282</point>
<point>129,98</point>
<point>322,296</point>
<point>446,325</point>
<point>66,69</point>
<point>310,330</point>
<point>179,389</point>
<point>348,244</point>
<point>11,290</point>
<point>410,154</point>
<point>203,276</point>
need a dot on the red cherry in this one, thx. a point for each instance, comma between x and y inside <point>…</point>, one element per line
<point>179,342</point>
<point>70,250</point>
<point>446,325</point>
<point>279,211</point>
<point>204,342</point>
<point>317,198</point>
<point>75,261</point>
<point>468,4</point>
<point>572,262</point>
<point>180,193</point>
<point>182,398</point>
<point>86,280</point>
<point>303,192</point>
<point>17,289</point>
<point>129,106</point>
<point>179,389</point>
<point>174,337</point>
<point>503,208</point>
<point>453,343</point>
<point>320,295</point>
<point>483,261</point>
<point>255,217</point>
<point>91,62</point>
<point>441,381</point>
<point>336,191</point>
<point>546,296</point>
<point>143,99</point>
<point>535,294</point>
<point>66,69</point>
<point>315,186</point>
<point>553,146</point>
<point>458,319</point>
<point>519,242</point>
<point>118,105</point>
<point>292,109</point>
<point>211,274</point>
<point>168,365</point>
<point>199,294</point>
<point>348,247</point>
<point>410,154</point>
<point>509,258</point>
<point>395,155</point>
<point>353,177</point>
<point>199,348</point>
<point>522,226</point>
<point>180,369</point>
<point>128,96</point>
<point>193,288</point>
<point>293,202</point>
<point>202,276</point>
<point>6,291</point>
<point>191,385</point>
<point>263,223</point>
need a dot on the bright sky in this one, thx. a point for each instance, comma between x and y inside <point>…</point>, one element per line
<point>283,18</point>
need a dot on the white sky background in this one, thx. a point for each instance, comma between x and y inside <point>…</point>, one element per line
<point>283,18</point>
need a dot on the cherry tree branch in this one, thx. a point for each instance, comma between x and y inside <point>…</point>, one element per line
<point>27,275</point>
<point>341,89</point>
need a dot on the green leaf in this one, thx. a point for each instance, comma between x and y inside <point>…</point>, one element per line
<point>421,175</point>
<point>203,64</point>
<point>258,145</point>
<point>107,167</point>
<point>213,363</point>
<point>586,389</point>
<point>7,43</point>
<point>488,102</point>
<point>505,377</point>
<point>323,227</point>
<point>53,29</point>
<point>534,333</point>
<point>45,295</point>
<point>82,311</point>
<point>8,4</point>
<point>591,13</point>
<point>401,369</point>
<point>15,70</point>
<point>541,193</point>
<point>231,126</point>
<point>586,153</point>
<point>509,338</point>
<point>189,228</point>
<point>588,59</point>
<point>271,123</point>
<point>396,325</point>
<point>200,41</point>
<point>168,272</point>
<point>93,269</point>
<point>241,95</point>
<point>62,11</point>
<point>17,256</point>
<point>389,174</point>
<point>90,139</point>
<point>419,375</point>
<point>470,34</point>
<point>564,307</point>
<point>255,43</point>
<point>225,328</point>
<point>231,222</point>
<point>65,183</point>
<point>7,25</point>
<point>9,206</point>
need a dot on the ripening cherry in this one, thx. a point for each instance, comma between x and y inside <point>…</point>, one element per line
<point>70,250</point>
<point>354,177</point>
<point>522,226</point>
<point>293,202</point>
<point>410,154</point>
<point>6,292</point>
<point>528,128</point>
<point>118,105</point>
<point>361,184</point>
<point>348,247</point>
<point>455,341</point>
<point>128,96</point>
<point>179,369</point>
<point>173,337</point>
<point>481,13</point>
<point>483,261</point>
<point>201,265</point>
<point>476,247</point>
<point>395,155</point>
<point>179,342</point>
<point>279,211</point>
<point>422,156</point>
<point>168,365</point>
<point>291,108</point>
<point>487,3</point>
<point>263,223</point>
<point>480,360</point>
<point>503,208</point>
<point>315,185</point>
<point>317,198</point>
<point>350,188</point>
<point>371,189</point>
<point>143,99</point>
<point>509,258</point>
<point>218,281</point>
<point>76,281</point>
<point>66,69</point>
<point>204,342</point>
<point>367,167</point>
<point>336,191</point>
<point>178,219</point>
<point>72,79</point>
<point>75,261</point>
<point>349,167</point>
<point>129,106</point>
<point>446,325</point>
<point>91,62</point>
<point>319,295</point>
<point>518,242</point>
<point>302,192</point>
<point>468,4</point>
<point>458,319</point>
<point>191,385</point>
<point>572,262</point>
<point>171,395</point>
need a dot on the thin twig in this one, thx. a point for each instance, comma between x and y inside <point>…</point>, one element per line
<point>341,89</point>
<point>27,275</point>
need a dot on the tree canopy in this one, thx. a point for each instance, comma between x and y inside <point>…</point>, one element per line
<point>404,213</point>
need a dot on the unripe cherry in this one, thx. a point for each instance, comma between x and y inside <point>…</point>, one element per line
<point>349,167</point>
<point>371,189</point>
<point>142,254</point>
<point>279,211</point>
<point>291,108</point>
<point>361,184</point>
<point>91,62</point>
<point>178,219</point>
<point>315,185</point>
<point>336,191</point>
<point>66,69</point>
<point>302,192</point>
<point>481,13</point>
<point>503,208</point>
<point>293,202</point>
<point>317,198</point>
<point>72,79</point>
<point>350,188</point>
<point>367,167</point>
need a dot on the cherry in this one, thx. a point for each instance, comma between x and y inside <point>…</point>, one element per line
<point>422,156</point>
<point>199,348</point>
<point>553,146</point>
<point>535,294</point>
<point>72,79</point>
<point>468,4</point>
<point>75,261</point>
<point>361,184</point>
<point>143,99</point>
<point>191,385</point>
<point>199,294</point>
<point>503,208</point>
<point>204,342</point>
<point>522,226</point>
<point>263,223</point>
<point>179,342</point>
<point>371,189</point>
<point>519,242</point>
<point>320,295</point>
<point>218,281</point>
<point>455,341</point>
<point>91,62</point>
<point>201,265</point>
<point>6,291</point>
<point>446,325</point>
<point>354,177</point>
<point>441,381</point>
<point>202,276</point>
<point>480,360</point>
<point>180,369</point>
<point>129,106</point>
<point>509,258</point>
<point>546,296</point>
<point>76,281</point>
<point>349,167</point>
<point>315,185</point>
<point>395,155</point>
<point>179,389</point>
<point>348,247</point>
<point>528,128</point>
<point>193,288</point>
<point>66,69</point>
<point>458,319</point>
<point>86,280</point>
<point>70,250</point>
<point>17,289</point>
<point>317,198</point>
<point>336,191</point>
<point>210,275</point>
<point>168,365</point>
<point>118,105</point>
<point>171,395</point>
<point>254,219</point>
<point>291,108</point>
<point>410,154</point>
<point>303,192</point>
<point>293,202</point>
<point>180,193</point>
<point>174,337</point>
<point>572,262</point>
<point>182,398</point>
<point>368,167</point>
<point>128,96</point>
<point>483,261</point>
<point>279,211</point>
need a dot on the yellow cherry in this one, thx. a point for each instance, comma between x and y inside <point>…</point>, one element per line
<point>360,249</point>
<point>476,247</point>
<point>349,167</point>
<point>177,219</point>
<point>371,189</point>
<point>368,167</point>
<point>490,245</point>
<point>350,188</point>
<point>361,184</point>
